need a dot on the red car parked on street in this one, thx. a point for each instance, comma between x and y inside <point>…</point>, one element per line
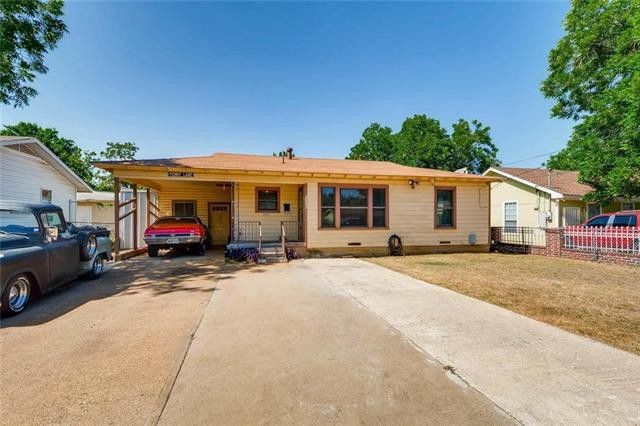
<point>181,233</point>
<point>618,231</point>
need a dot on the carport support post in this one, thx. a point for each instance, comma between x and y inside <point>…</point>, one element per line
<point>148,207</point>
<point>134,187</point>
<point>116,209</point>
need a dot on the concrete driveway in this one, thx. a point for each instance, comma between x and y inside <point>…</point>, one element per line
<point>104,351</point>
<point>276,347</point>
<point>186,340</point>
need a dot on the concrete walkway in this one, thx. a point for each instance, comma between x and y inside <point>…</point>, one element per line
<point>536,372</point>
<point>277,346</point>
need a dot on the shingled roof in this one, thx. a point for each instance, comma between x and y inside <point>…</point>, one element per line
<point>263,163</point>
<point>564,182</point>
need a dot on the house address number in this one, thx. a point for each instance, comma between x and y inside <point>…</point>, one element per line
<point>180,174</point>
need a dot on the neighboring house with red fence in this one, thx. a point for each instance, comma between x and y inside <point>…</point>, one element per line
<point>543,198</point>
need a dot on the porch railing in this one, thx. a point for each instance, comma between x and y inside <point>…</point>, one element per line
<point>249,231</point>
<point>283,239</point>
<point>289,228</point>
<point>519,236</point>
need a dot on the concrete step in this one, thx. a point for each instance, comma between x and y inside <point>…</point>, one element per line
<point>272,259</point>
<point>270,251</point>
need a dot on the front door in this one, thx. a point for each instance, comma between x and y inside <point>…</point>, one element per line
<point>219,223</point>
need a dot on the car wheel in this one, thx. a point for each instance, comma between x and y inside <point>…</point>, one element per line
<point>97,267</point>
<point>201,248</point>
<point>152,251</point>
<point>16,295</point>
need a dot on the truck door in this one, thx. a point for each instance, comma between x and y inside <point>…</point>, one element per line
<point>63,253</point>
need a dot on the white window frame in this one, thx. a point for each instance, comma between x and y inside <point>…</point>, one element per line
<point>504,218</point>
<point>42,200</point>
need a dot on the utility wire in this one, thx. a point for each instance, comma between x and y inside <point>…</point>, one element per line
<point>532,158</point>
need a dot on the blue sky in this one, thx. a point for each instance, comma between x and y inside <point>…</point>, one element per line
<point>184,79</point>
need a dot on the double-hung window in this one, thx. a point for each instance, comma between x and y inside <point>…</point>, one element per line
<point>354,207</point>
<point>327,207</point>
<point>347,207</point>
<point>511,214</point>
<point>184,208</point>
<point>379,207</point>
<point>267,200</point>
<point>445,210</point>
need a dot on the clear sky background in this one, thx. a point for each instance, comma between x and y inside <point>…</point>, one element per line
<point>184,79</point>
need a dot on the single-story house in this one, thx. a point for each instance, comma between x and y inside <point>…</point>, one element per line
<point>542,198</point>
<point>30,172</point>
<point>326,206</point>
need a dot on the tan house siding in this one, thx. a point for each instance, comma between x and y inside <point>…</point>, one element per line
<point>202,193</point>
<point>530,203</point>
<point>411,210</point>
<point>411,216</point>
<point>246,207</point>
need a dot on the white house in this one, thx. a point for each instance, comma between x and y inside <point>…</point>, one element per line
<point>30,172</point>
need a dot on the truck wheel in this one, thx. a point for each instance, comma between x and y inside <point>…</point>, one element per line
<point>88,245</point>
<point>97,267</point>
<point>152,251</point>
<point>16,295</point>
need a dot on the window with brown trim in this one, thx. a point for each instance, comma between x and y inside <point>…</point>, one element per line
<point>268,200</point>
<point>184,208</point>
<point>445,208</point>
<point>353,206</point>
<point>327,207</point>
<point>379,207</point>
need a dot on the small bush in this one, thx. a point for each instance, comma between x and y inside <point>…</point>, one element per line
<point>291,253</point>
<point>244,254</point>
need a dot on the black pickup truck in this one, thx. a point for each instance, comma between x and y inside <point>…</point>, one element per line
<point>40,251</point>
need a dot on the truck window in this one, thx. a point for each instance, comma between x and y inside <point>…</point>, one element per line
<point>598,221</point>
<point>625,220</point>
<point>18,222</point>
<point>53,219</point>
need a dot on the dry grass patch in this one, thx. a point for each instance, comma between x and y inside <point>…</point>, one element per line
<point>596,300</point>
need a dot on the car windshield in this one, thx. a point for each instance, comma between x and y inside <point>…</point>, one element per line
<point>18,222</point>
<point>176,221</point>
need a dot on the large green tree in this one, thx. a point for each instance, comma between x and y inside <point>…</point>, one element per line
<point>594,77</point>
<point>28,30</point>
<point>67,150</point>
<point>423,142</point>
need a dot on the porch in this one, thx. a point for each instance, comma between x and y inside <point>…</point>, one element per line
<point>235,212</point>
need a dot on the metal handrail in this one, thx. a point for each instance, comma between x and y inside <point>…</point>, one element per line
<point>259,237</point>
<point>248,230</point>
<point>283,238</point>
